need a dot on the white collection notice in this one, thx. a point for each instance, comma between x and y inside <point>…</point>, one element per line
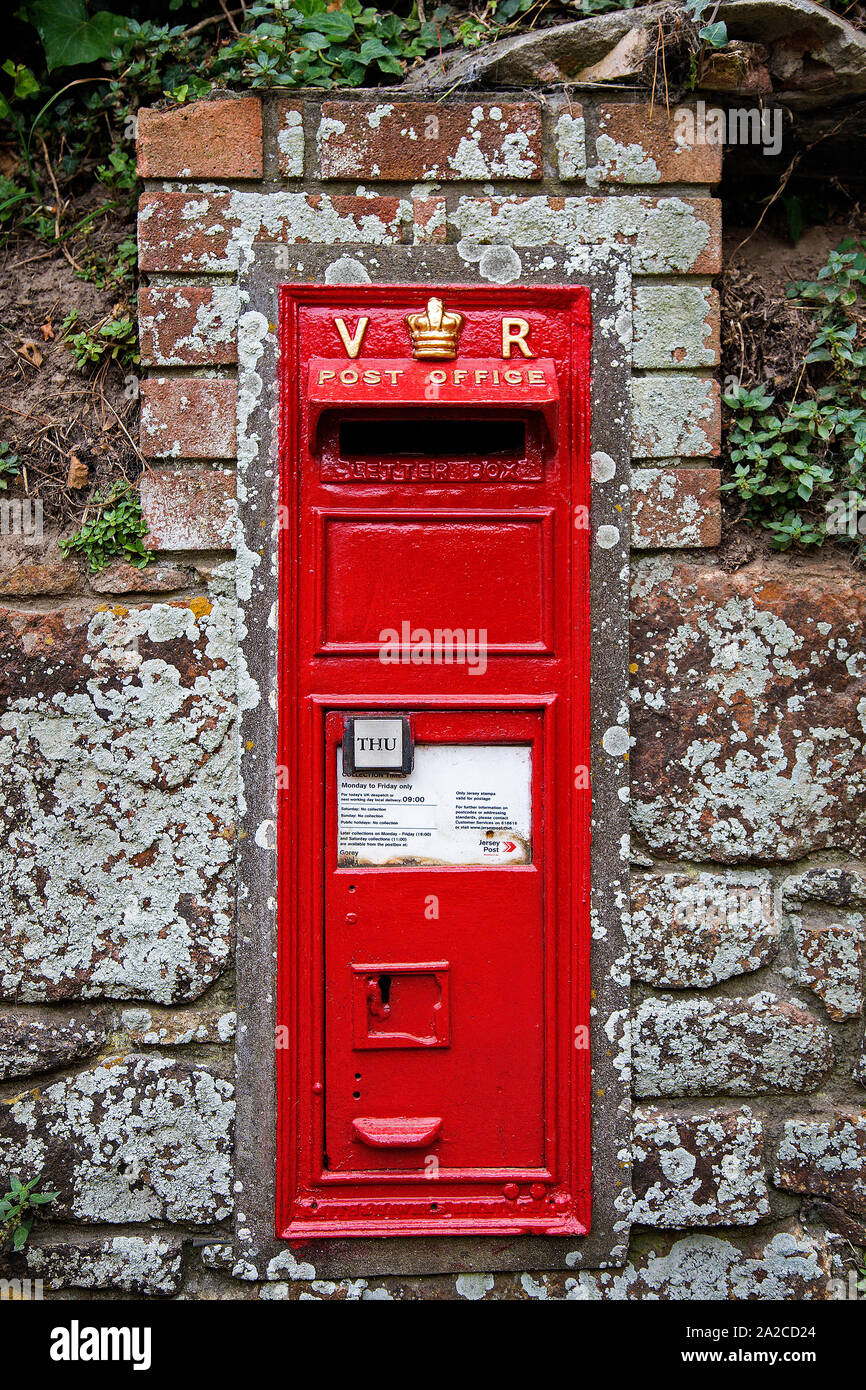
<point>464,803</point>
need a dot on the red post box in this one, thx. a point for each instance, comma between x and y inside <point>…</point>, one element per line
<point>434,725</point>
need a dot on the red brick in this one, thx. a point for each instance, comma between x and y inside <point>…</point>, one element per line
<point>290,137</point>
<point>673,508</point>
<point>430,140</point>
<point>219,139</point>
<point>430,219</point>
<point>195,231</point>
<point>191,417</point>
<point>633,146</point>
<point>187,325</point>
<point>189,509</point>
<point>184,231</point>
<point>31,567</point>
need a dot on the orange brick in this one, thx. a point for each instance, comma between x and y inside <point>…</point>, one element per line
<point>675,508</point>
<point>430,140</point>
<point>635,147</point>
<point>219,139</point>
<point>192,417</point>
<point>189,509</point>
<point>187,325</point>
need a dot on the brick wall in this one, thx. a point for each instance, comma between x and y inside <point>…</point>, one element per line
<point>224,174</point>
<point>748,765</point>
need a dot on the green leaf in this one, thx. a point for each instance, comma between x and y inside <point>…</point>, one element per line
<point>716,35</point>
<point>69,36</point>
<point>24,84</point>
<point>22,1231</point>
<point>338,25</point>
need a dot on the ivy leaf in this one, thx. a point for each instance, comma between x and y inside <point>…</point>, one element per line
<point>21,1234</point>
<point>338,25</point>
<point>69,36</point>
<point>716,35</point>
<point>24,83</point>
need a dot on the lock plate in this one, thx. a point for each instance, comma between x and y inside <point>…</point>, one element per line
<point>401,1005</point>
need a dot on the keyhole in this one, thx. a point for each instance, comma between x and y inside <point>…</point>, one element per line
<point>384,983</point>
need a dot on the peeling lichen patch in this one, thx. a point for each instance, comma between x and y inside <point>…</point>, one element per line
<point>216,229</point>
<point>571,146</point>
<point>693,932</point>
<point>135,1139</point>
<point>150,1265</point>
<point>117,780</point>
<point>675,326</point>
<point>791,1265</point>
<point>429,140</point>
<point>698,1170</point>
<point>666,234</point>
<point>724,766</point>
<point>827,1157</point>
<point>723,1046</point>
<point>675,415</point>
<point>290,139</point>
<point>623,163</point>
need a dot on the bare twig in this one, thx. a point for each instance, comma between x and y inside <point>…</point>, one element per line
<point>16,265</point>
<point>58,201</point>
<point>138,453</point>
<point>783,182</point>
<point>225,9</point>
<point>659,41</point>
<point>212,19</point>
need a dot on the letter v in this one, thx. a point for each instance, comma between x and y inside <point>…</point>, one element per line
<point>353,344</point>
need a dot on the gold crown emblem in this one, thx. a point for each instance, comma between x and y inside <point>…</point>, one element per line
<point>434,333</point>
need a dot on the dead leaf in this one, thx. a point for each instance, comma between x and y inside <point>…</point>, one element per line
<point>47,331</point>
<point>30,351</point>
<point>79,473</point>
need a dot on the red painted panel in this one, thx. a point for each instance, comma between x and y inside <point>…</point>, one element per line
<point>432,1082</point>
<point>380,572</point>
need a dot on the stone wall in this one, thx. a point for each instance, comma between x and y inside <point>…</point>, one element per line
<point>118,754</point>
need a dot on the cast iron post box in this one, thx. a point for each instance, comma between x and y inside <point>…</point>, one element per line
<point>434,714</point>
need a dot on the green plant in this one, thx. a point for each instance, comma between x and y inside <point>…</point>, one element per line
<point>797,454</point>
<point>119,172</point>
<point>69,35</point>
<point>18,1208</point>
<point>714,31</point>
<point>116,530</point>
<point>114,339</point>
<point>10,467</point>
<point>114,271</point>
<point>312,43</point>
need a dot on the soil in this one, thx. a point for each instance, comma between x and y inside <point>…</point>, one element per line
<point>765,338</point>
<point>51,411</point>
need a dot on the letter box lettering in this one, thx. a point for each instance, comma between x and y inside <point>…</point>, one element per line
<point>433,799</point>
